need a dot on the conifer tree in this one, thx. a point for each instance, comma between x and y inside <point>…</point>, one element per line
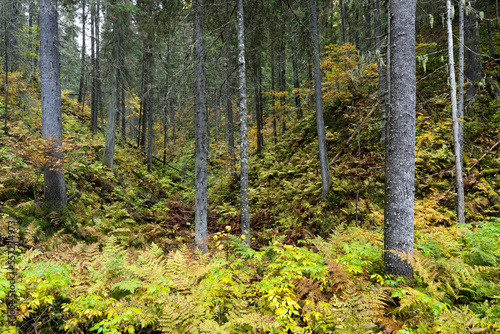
<point>400,148</point>
<point>54,185</point>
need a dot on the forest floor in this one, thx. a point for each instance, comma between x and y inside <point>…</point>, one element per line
<point>121,258</point>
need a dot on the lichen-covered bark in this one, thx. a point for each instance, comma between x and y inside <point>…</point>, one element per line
<point>454,113</point>
<point>54,185</point>
<point>245,216</point>
<point>323,158</point>
<point>400,147</point>
<point>200,110</point>
<point>471,54</point>
<point>229,106</point>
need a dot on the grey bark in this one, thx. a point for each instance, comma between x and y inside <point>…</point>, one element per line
<point>382,71</point>
<point>13,27</point>
<point>273,87</point>
<point>109,145</point>
<point>245,216</point>
<point>471,53</point>
<point>123,112</point>
<point>344,21</point>
<point>148,101</point>
<point>99,108</point>
<point>258,97</point>
<point>114,105</point>
<point>229,105</point>
<point>461,79</point>
<point>490,34</point>
<point>296,76</point>
<point>82,71</point>
<point>323,157</point>
<point>455,120</point>
<point>368,28</point>
<point>400,147</point>
<point>496,8</point>
<point>6,69</point>
<point>282,78</point>
<point>50,75</point>
<point>201,231</point>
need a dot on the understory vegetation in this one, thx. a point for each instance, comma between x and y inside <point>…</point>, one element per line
<point>121,259</point>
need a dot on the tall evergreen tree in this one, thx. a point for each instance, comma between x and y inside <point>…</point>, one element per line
<point>323,157</point>
<point>245,217</point>
<point>50,75</point>
<point>200,110</point>
<point>400,147</point>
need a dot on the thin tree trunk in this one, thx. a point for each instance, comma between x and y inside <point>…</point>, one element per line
<point>93,92</point>
<point>6,68</point>
<point>82,72</point>
<point>344,21</point>
<point>382,78</point>
<point>201,231</point>
<point>282,80</point>
<point>461,80</point>
<point>490,34</point>
<point>456,127</point>
<point>296,77</point>
<point>368,28</point>
<point>273,89</point>
<point>323,158</point>
<point>400,148</point>
<point>109,145</point>
<point>471,53</point>
<point>99,107</point>
<point>496,8</point>
<point>145,103</point>
<point>172,119</point>
<point>50,75</point>
<point>229,105</point>
<point>123,113</point>
<point>245,216</point>
<point>258,97</point>
<point>114,105</point>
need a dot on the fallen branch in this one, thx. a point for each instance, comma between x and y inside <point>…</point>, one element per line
<point>339,153</point>
<point>72,196</point>
<point>485,154</point>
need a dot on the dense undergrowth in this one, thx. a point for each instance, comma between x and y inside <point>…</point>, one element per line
<point>120,259</point>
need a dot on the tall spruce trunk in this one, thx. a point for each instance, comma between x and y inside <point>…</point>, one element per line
<point>400,147</point>
<point>368,28</point>
<point>200,107</point>
<point>344,21</point>
<point>382,71</point>
<point>229,104</point>
<point>114,104</point>
<point>82,71</point>
<point>50,75</point>
<point>6,69</point>
<point>296,77</point>
<point>455,120</point>
<point>323,157</point>
<point>148,102</point>
<point>258,95</point>
<point>471,53</point>
<point>490,34</point>
<point>461,79</point>
<point>245,216</point>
